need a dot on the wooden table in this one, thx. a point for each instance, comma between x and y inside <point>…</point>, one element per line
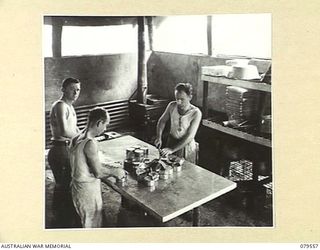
<point>183,191</point>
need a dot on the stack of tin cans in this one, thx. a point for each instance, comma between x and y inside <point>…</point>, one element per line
<point>176,162</point>
<point>139,165</point>
<point>137,160</point>
<point>137,153</point>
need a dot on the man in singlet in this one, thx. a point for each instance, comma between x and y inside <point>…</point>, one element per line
<point>87,170</point>
<point>184,123</point>
<point>63,124</point>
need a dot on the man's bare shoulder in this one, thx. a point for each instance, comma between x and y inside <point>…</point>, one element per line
<point>197,112</point>
<point>171,105</point>
<point>91,147</point>
<point>58,103</point>
<point>59,106</point>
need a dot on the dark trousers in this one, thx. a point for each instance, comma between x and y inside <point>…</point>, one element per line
<point>65,213</point>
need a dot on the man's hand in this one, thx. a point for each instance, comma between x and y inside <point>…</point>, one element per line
<point>119,173</point>
<point>115,164</point>
<point>165,152</point>
<point>158,142</point>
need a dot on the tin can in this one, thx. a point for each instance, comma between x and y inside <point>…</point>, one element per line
<point>121,182</point>
<point>164,176</point>
<point>150,183</point>
<point>177,167</point>
<point>147,161</point>
<point>181,161</point>
<point>127,163</point>
<point>135,164</point>
<point>138,155</point>
<point>130,153</point>
<point>145,151</point>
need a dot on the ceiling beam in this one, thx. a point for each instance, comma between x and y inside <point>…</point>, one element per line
<point>90,20</point>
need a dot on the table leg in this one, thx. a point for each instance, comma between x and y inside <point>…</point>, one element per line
<point>196,217</point>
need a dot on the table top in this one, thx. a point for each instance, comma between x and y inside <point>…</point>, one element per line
<point>183,191</point>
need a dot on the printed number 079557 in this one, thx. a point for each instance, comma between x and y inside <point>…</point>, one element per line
<point>311,246</point>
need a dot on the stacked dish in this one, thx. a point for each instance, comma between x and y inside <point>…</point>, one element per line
<point>241,103</point>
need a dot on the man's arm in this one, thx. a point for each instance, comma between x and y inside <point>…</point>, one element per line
<point>162,123</point>
<point>191,133</point>
<point>61,110</point>
<point>93,160</point>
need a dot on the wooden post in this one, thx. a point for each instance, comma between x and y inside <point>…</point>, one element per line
<point>205,99</point>
<point>142,66</point>
<point>56,37</point>
<point>150,32</point>
<point>209,34</point>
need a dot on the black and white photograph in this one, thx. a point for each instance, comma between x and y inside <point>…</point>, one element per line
<point>158,121</point>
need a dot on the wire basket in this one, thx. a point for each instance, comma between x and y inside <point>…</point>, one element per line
<point>240,170</point>
<point>269,188</point>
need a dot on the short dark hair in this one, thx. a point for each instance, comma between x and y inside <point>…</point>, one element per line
<point>185,87</point>
<point>66,82</point>
<point>97,114</point>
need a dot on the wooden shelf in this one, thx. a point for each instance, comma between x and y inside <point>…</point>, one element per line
<point>237,133</point>
<point>240,83</point>
<point>254,85</point>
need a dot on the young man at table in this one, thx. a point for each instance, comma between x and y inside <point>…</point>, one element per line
<point>184,120</point>
<point>87,170</point>
<point>63,124</point>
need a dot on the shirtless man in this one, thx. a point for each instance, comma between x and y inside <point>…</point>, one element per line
<point>63,124</point>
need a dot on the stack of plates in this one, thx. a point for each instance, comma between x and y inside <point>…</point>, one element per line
<point>241,103</point>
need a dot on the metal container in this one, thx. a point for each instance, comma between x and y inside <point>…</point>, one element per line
<point>147,161</point>
<point>164,176</point>
<point>140,171</point>
<point>145,151</point>
<point>138,155</point>
<point>130,153</point>
<point>177,167</point>
<point>149,181</point>
<point>135,164</point>
<point>128,165</point>
<point>175,159</point>
<point>165,173</point>
<point>122,181</point>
